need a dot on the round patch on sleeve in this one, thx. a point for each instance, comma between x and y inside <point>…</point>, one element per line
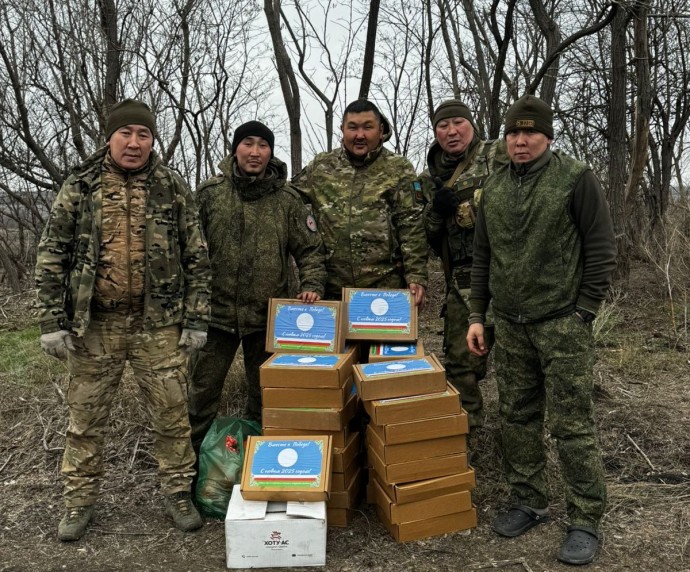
<point>311,223</point>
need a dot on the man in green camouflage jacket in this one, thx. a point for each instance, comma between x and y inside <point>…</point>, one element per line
<point>369,209</point>
<point>254,222</point>
<point>458,164</point>
<point>544,253</point>
<point>123,275</point>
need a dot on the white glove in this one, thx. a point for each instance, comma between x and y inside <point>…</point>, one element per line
<point>192,340</point>
<point>56,344</point>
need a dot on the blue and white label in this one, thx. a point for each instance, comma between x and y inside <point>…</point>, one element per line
<point>305,360</point>
<point>396,367</point>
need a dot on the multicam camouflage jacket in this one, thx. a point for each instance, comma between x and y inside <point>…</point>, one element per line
<point>253,226</point>
<point>177,268</point>
<point>451,236</point>
<point>370,218</point>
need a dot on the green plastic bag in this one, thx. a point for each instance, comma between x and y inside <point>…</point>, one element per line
<point>220,463</point>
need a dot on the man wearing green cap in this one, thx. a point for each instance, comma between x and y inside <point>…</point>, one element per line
<point>368,207</point>
<point>254,222</point>
<point>458,163</point>
<point>544,253</point>
<point>122,274</point>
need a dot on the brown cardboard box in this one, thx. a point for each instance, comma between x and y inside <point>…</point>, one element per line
<point>416,450</point>
<point>343,457</point>
<point>424,509</point>
<point>349,498</point>
<point>386,351</point>
<point>402,493</point>
<point>397,383</point>
<point>298,337</point>
<point>418,529</point>
<point>287,468</point>
<point>412,408</point>
<point>306,376</point>
<point>379,330</point>
<point>340,438</point>
<point>416,470</point>
<point>339,517</point>
<point>310,418</point>
<point>313,397</point>
<point>341,480</point>
<point>410,431</point>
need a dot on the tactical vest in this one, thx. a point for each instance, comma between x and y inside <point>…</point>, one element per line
<point>536,252</point>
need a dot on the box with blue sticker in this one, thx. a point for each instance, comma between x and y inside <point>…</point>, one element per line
<point>294,326</point>
<point>307,371</point>
<point>392,351</point>
<point>291,468</point>
<point>401,378</point>
<point>379,315</point>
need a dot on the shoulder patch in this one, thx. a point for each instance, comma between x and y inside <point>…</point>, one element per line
<point>311,223</point>
<point>417,194</point>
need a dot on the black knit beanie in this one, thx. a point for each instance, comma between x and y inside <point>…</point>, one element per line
<point>530,112</point>
<point>452,108</point>
<point>129,112</point>
<point>252,129</point>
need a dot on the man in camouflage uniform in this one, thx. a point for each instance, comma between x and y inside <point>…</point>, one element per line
<point>458,164</point>
<point>123,275</point>
<point>368,209</point>
<point>253,221</point>
<point>544,252</point>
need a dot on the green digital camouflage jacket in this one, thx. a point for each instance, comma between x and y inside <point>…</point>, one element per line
<point>370,217</point>
<point>177,268</point>
<point>253,226</point>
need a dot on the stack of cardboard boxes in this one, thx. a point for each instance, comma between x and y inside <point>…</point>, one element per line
<point>307,389</point>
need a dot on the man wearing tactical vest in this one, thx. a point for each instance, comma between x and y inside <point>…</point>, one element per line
<point>544,253</point>
<point>122,275</point>
<point>458,164</point>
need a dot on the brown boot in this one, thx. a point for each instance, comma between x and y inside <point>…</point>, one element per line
<point>74,522</point>
<point>183,512</point>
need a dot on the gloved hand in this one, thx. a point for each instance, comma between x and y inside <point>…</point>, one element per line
<point>56,344</point>
<point>445,201</point>
<point>192,340</point>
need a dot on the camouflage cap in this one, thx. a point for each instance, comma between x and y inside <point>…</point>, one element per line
<point>530,112</point>
<point>129,112</point>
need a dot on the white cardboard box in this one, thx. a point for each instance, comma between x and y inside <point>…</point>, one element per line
<point>264,534</point>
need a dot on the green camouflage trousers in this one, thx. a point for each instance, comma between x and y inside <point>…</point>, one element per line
<point>208,369</point>
<point>463,369</point>
<point>96,366</point>
<point>547,368</point>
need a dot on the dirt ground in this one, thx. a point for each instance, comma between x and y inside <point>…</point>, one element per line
<point>642,403</point>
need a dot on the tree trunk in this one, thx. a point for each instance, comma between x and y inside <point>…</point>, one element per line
<point>370,49</point>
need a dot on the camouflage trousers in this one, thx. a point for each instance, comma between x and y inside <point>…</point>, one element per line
<point>208,370</point>
<point>544,370</point>
<point>96,366</point>
<point>463,369</point>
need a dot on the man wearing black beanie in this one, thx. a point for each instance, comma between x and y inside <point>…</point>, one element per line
<point>253,221</point>
<point>544,253</point>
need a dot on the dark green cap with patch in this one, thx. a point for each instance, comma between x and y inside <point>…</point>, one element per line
<point>129,112</point>
<point>530,112</point>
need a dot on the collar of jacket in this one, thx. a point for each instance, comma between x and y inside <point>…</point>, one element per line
<point>253,188</point>
<point>357,162</point>
<point>90,168</point>
<point>533,167</point>
<point>441,164</point>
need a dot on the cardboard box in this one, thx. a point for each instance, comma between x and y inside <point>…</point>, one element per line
<point>287,468</point>
<point>349,498</point>
<point>339,438</point>
<point>423,429</point>
<point>409,471</point>
<point>312,397</point>
<point>418,529</point>
<point>402,493</point>
<point>316,419</point>
<point>416,450</point>
<point>343,457</point>
<point>339,517</point>
<point>412,408</point>
<point>391,351</point>
<point>261,534</point>
<point>438,505</point>
<point>380,315</point>
<point>400,378</point>
<point>307,371</point>
<point>340,481</point>
<point>294,326</point>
